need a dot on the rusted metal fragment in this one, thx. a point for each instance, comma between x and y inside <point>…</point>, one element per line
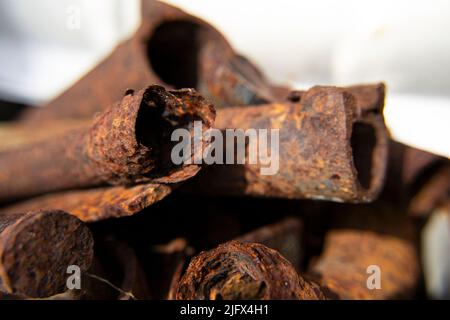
<point>99,203</point>
<point>369,97</point>
<point>15,135</point>
<point>129,143</point>
<point>410,163</point>
<point>329,149</point>
<point>349,254</point>
<point>284,237</point>
<point>237,270</point>
<point>36,249</point>
<point>171,48</point>
<point>417,181</point>
<point>434,193</point>
<point>231,81</point>
<point>365,243</point>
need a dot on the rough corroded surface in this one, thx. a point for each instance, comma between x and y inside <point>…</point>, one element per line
<point>369,97</point>
<point>284,237</point>
<point>237,270</point>
<point>36,248</point>
<point>15,135</point>
<point>231,80</point>
<point>329,150</point>
<point>98,203</point>
<point>129,143</point>
<point>342,267</point>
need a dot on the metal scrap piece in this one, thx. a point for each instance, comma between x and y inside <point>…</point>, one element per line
<point>127,144</point>
<point>329,149</point>
<point>36,248</point>
<point>237,270</point>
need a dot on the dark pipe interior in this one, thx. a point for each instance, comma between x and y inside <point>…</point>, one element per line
<point>156,120</point>
<point>173,53</point>
<point>363,142</point>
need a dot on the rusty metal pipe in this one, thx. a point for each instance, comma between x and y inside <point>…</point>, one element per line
<point>329,149</point>
<point>171,48</point>
<point>98,203</point>
<point>243,271</point>
<point>343,267</point>
<point>37,247</point>
<point>127,144</point>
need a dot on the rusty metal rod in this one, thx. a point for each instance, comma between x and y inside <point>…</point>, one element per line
<point>127,144</point>
<point>36,248</point>
<point>98,203</point>
<point>242,271</point>
<point>329,149</point>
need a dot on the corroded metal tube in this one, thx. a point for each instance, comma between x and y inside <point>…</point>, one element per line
<point>170,48</point>
<point>350,257</point>
<point>98,203</point>
<point>329,149</point>
<point>36,249</point>
<point>127,144</point>
<point>237,271</point>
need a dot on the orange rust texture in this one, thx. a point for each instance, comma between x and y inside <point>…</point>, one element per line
<point>98,203</point>
<point>45,242</point>
<point>220,74</point>
<point>129,143</point>
<point>16,134</point>
<point>380,234</point>
<point>342,267</point>
<point>237,270</point>
<point>369,97</point>
<point>316,157</point>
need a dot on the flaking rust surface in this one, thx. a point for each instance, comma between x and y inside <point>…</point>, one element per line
<point>315,153</point>
<point>37,248</point>
<point>98,203</point>
<point>237,270</point>
<point>114,149</point>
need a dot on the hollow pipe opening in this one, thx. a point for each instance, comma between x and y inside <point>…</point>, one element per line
<point>173,52</point>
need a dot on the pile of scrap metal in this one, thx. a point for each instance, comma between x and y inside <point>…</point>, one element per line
<point>87,184</point>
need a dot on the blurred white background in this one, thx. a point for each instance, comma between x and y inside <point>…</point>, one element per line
<point>405,43</point>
